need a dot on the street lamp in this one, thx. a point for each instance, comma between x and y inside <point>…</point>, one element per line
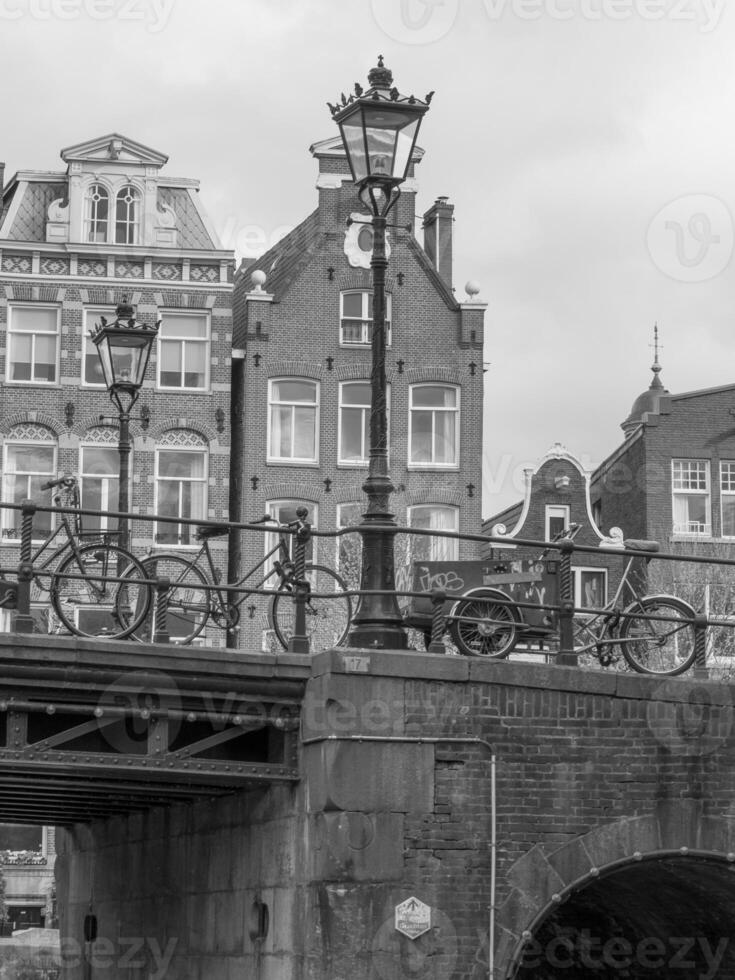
<point>379,129</point>
<point>124,347</point>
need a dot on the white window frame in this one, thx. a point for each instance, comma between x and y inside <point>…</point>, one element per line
<point>578,571</point>
<point>294,460</point>
<point>681,472</point>
<point>456,410</point>
<point>92,316</point>
<point>204,481</point>
<point>440,549</point>
<point>362,461</point>
<point>6,515</point>
<point>185,342</point>
<point>131,225</point>
<point>90,214</point>
<point>365,320</point>
<point>555,510</point>
<point>109,489</point>
<point>726,467</point>
<point>12,332</point>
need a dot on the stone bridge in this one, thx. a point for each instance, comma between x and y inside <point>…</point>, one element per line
<point>531,821</point>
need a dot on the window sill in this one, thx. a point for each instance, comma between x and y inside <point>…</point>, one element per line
<point>437,467</point>
<point>301,463</point>
<point>183,391</point>
<point>352,466</point>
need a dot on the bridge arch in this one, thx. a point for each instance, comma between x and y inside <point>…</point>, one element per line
<point>642,897</point>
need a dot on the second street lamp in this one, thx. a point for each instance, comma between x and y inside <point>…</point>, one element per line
<point>124,347</point>
<point>379,129</point>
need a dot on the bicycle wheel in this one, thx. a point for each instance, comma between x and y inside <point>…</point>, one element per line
<point>327,618</point>
<point>658,646</point>
<point>87,603</point>
<point>482,628</point>
<point>189,604</point>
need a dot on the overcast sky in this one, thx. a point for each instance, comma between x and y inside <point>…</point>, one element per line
<point>587,146</point>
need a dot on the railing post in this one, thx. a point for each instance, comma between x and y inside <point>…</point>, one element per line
<point>566,657</point>
<point>299,641</point>
<point>161,634</point>
<point>23,618</point>
<point>700,647</point>
<point>438,598</point>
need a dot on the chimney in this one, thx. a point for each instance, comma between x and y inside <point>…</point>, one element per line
<point>2,182</point>
<point>438,237</point>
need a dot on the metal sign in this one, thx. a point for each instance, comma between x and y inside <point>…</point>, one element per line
<point>413,918</point>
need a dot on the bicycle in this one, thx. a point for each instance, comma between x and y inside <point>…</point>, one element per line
<point>82,593</point>
<point>655,633</point>
<point>195,596</point>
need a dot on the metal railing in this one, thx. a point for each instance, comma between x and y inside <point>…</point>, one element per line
<point>16,593</point>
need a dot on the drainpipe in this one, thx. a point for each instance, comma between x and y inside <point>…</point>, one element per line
<point>456,739</point>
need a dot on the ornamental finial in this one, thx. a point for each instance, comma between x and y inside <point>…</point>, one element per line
<point>380,77</point>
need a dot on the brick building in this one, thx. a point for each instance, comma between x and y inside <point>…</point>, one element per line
<point>73,245</point>
<point>27,856</point>
<point>301,374</point>
<point>557,494</point>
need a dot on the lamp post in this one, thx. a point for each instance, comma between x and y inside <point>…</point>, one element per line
<point>124,347</point>
<point>379,129</point>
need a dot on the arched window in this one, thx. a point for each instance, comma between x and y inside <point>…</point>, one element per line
<point>127,216</point>
<point>182,472</point>
<point>433,517</point>
<point>99,465</point>
<point>97,213</point>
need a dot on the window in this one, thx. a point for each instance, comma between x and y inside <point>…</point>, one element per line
<point>183,351</point>
<point>97,211</point>
<point>354,422</point>
<point>33,344</point>
<point>590,587</point>
<point>356,317</point>
<point>284,511</point>
<point>99,485</point>
<point>691,496</point>
<point>127,215</point>
<point>181,486</point>
<point>557,520</point>
<point>91,365</point>
<point>293,420</point>
<point>434,425</point>
<point>433,517</point>
<point>727,499</point>
<point>26,466</point>
<point>349,546</point>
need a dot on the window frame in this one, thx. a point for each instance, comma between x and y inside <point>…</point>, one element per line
<point>270,538</point>
<point>206,342</point>
<point>688,492</point>
<point>367,296</point>
<point>344,541</point>
<point>202,450</point>
<point>363,461</point>
<point>130,225</point>
<point>549,516</point>
<point>578,572</point>
<point>105,523</point>
<point>5,527</point>
<point>90,219</point>
<point>294,460</point>
<point>433,465</point>
<point>13,306</point>
<point>450,543</point>
<point>728,494</point>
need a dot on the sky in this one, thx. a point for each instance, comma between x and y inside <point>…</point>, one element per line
<point>588,148</point>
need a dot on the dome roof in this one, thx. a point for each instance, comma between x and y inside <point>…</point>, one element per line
<point>647,401</point>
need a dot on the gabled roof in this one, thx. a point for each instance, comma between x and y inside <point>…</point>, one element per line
<point>283,263</point>
<point>113,146</point>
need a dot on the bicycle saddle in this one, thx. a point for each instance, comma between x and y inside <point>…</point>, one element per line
<point>210,531</point>
<point>632,545</point>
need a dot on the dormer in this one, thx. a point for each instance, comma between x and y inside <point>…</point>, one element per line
<point>112,197</point>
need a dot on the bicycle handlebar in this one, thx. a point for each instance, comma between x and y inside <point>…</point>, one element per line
<point>63,481</point>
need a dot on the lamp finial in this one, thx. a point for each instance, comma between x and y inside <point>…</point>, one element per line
<point>380,77</point>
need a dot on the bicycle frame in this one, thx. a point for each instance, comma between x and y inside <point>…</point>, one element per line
<point>70,544</point>
<point>607,617</point>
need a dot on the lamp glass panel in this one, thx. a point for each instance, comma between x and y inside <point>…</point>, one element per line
<point>354,141</point>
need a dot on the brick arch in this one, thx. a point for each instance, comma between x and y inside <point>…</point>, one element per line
<point>296,369</point>
<point>292,490</point>
<point>444,375</point>
<point>32,418</point>
<point>207,432</point>
<point>541,879</point>
<point>452,498</point>
<point>357,371</point>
